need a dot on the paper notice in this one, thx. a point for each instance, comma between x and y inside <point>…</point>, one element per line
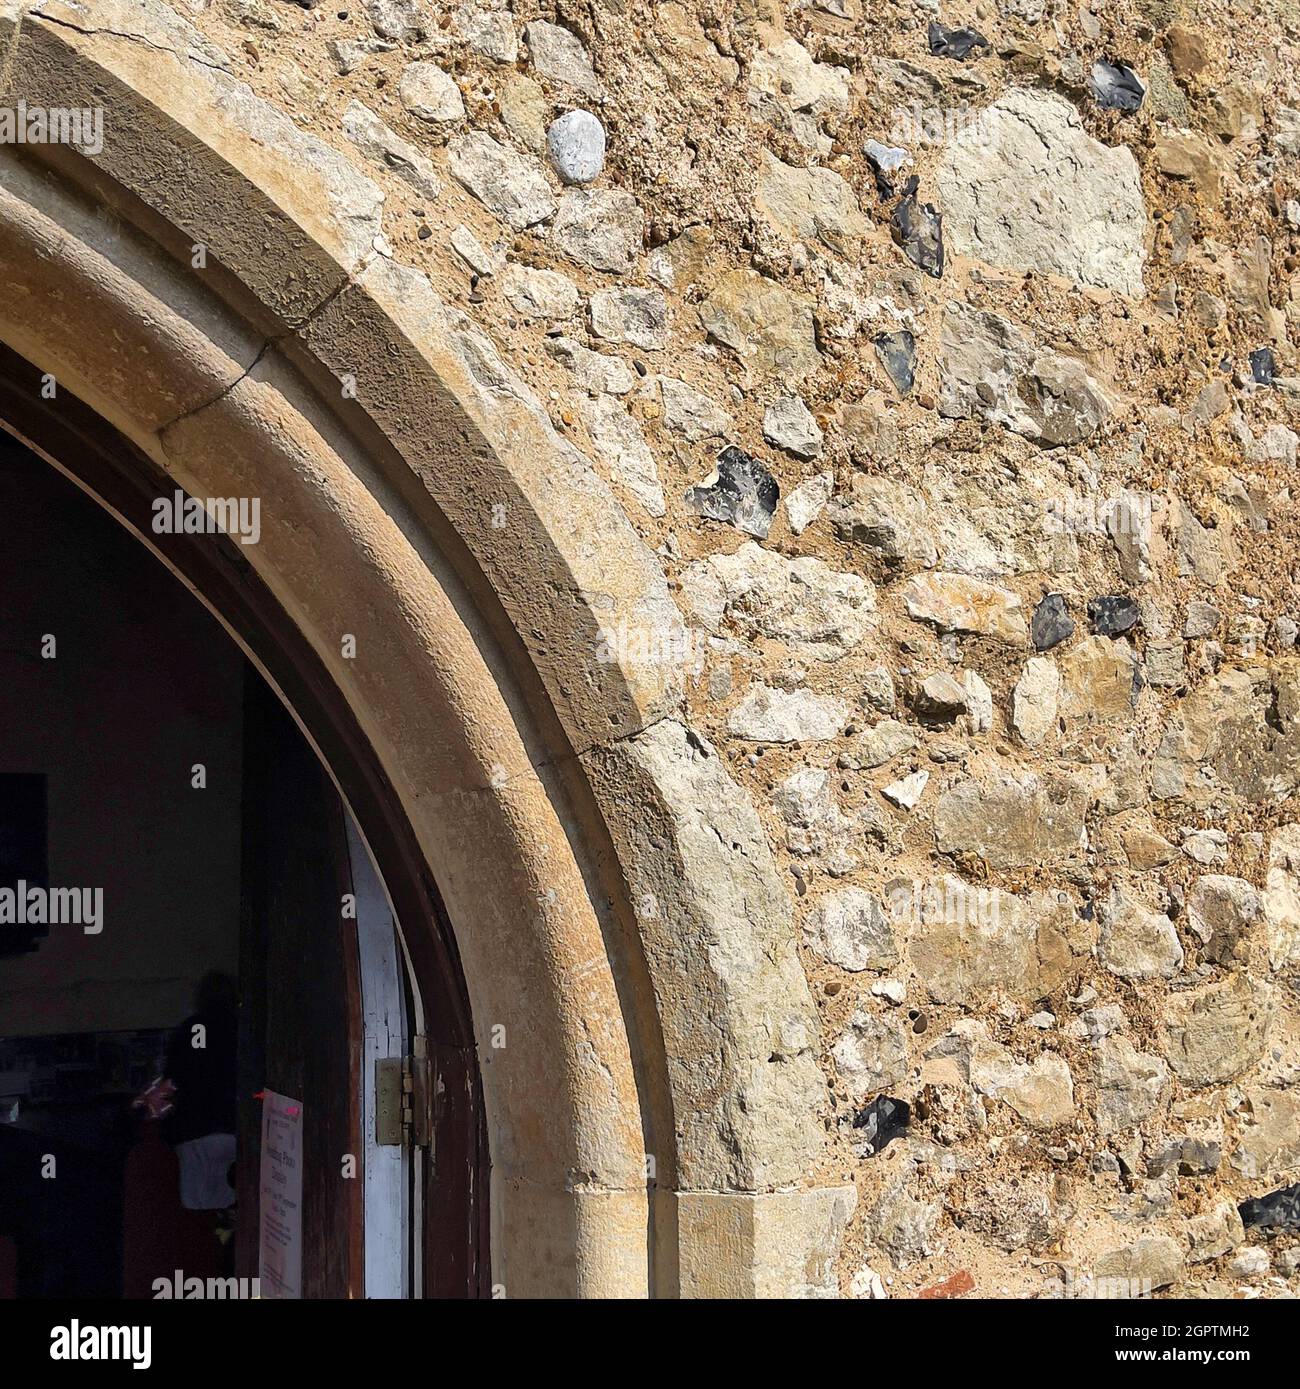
<point>280,1261</point>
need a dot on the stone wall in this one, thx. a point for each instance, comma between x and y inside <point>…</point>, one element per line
<point>954,394</point>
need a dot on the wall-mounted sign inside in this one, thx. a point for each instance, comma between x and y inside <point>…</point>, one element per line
<point>280,1244</point>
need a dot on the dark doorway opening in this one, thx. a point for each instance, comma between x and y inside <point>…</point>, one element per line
<point>113,741</point>
<point>170,910</point>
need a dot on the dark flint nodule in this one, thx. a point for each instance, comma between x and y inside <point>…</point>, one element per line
<point>883,1120</point>
<point>1263,366</point>
<point>1116,86</point>
<point>897,353</point>
<point>1051,624</point>
<point>918,229</point>
<point>1279,1210</point>
<point>740,492</point>
<point>1191,1158</point>
<point>954,43</point>
<point>884,185</point>
<point>1113,614</point>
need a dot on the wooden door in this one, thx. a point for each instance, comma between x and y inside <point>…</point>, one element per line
<point>299,998</point>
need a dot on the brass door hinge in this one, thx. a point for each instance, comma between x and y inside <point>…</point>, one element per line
<point>403,1099</point>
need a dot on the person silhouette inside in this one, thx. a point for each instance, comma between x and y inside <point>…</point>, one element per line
<point>195,1096</point>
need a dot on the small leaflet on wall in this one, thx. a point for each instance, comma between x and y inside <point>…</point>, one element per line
<point>280,1241</point>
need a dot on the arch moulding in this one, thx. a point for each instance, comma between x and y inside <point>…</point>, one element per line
<point>215,284</point>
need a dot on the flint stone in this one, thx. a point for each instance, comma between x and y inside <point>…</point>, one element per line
<point>989,369</point>
<point>818,612</point>
<point>1116,86</point>
<point>739,492</point>
<point>575,143</point>
<point>849,928</point>
<point>886,159</point>
<point>883,1120</point>
<point>1113,615</point>
<point>1279,1210</point>
<point>1044,195</point>
<point>1013,822</point>
<point>956,603</point>
<point>1051,624</point>
<point>559,55</point>
<point>870,1054</point>
<point>636,316</point>
<point>1213,1034</point>
<point>1263,366</point>
<point>788,424</point>
<point>897,353</point>
<point>509,184</point>
<point>772,715</point>
<point>770,329</point>
<point>954,43</point>
<point>602,228</point>
<point>917,228</point>
<point>1131,1085</point>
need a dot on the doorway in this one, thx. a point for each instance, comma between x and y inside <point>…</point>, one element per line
<point>147,764</point>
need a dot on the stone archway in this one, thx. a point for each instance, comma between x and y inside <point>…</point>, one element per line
<point>214,283</point>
